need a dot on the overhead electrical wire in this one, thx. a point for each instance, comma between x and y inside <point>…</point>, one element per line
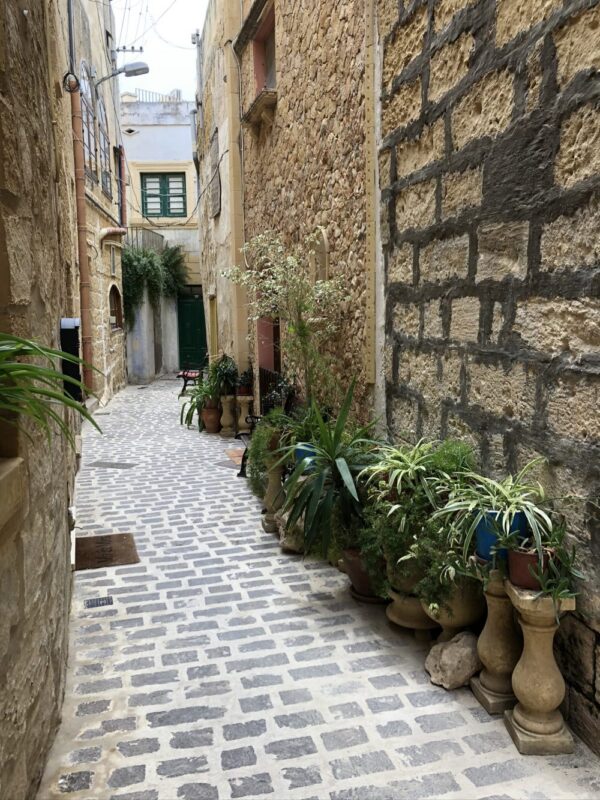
<point>156,21</point>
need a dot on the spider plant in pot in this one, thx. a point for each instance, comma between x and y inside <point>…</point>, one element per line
<point>37,390</point>
<point>405,479</point>
<point>324,486</point>
<point>485,508</point>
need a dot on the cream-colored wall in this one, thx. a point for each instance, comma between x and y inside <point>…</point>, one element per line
<point>221,237</point>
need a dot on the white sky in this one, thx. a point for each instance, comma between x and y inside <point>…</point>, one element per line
<point>168,48</point>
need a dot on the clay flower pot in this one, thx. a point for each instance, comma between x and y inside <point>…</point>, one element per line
<point>466,606</point>
<point>211,417</point>
<point>354,568</point>
<point>405,610</point>
<point>519,573</point>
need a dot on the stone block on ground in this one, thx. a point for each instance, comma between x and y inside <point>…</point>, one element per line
<point>452,664</point>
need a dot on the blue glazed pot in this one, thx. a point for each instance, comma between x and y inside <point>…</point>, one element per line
<point>304,451</point>
<point>485,533</point>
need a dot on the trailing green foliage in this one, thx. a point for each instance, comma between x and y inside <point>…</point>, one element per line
<point>164,275</point>
<point>226,373</point>
<point>36,390</point>
<point>271,428</point>
<point>175,277</point>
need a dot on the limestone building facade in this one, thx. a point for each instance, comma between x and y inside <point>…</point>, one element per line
<point>39,286</point>
<point>490,179</point>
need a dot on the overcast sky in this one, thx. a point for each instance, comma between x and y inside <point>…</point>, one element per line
<point>164,29</point>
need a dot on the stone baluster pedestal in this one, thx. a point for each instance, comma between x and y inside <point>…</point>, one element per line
<point>244,402</point>
<point>535,724</point>
<point>227,418</point>
<point>273,498</point>
<point>499,647</point>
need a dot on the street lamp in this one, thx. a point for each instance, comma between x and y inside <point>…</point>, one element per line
<point>129,70</point>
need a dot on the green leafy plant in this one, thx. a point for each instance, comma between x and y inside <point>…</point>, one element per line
<point>325,483</point>
<point>471,497</point>
<point>280,286</point>
<point>226,373</point>
<point>273,426</point>
<point>36,390</point>
<point>246,379</point>
<point>162,274</point>
<point>175,272</point>
<point>203,395</point>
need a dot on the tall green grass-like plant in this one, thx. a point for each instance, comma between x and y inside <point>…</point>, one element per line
<point>325,484</point>
<point>36,390</point>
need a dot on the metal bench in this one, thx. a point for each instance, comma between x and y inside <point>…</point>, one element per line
<point>188,376</point>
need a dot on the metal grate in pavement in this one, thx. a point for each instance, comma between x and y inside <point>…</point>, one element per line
<point>112,464</point>
<point>96,602</point>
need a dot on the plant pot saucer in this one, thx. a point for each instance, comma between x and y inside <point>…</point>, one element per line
<point>366,598</point>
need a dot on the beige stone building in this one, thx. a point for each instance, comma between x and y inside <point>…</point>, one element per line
<point>448,150</point>
<point>40,263</point>
<point>490,177</point>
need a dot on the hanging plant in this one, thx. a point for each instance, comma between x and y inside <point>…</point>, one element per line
<point>162,274</point>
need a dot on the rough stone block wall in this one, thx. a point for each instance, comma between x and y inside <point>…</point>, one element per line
<point>490,176</point>
<point>37,288</point>
<point>308,168</point>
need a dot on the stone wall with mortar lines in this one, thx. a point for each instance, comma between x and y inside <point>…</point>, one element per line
<point>308,168</point>
<point>38,286</point>
<point>490,209</point>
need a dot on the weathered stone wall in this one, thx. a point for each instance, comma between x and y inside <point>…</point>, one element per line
<point>490,179</point>
<point>38,286</point>
<point>307,169</point>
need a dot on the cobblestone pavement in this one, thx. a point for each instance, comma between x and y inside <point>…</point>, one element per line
<point>226,669</point>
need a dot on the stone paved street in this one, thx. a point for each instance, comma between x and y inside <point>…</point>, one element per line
<point>226,669</point>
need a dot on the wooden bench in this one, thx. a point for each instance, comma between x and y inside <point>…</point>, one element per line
<point>188,376</point>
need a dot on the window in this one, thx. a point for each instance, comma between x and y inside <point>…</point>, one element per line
<point>113,261</point>
<point>105,175</point>
<point>163,194</point>
<point>215,178</point>
<point>115,309</point>
<point>264,53</point>
<point>89,125</point>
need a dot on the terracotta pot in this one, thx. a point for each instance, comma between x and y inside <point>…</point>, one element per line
<point>211,417</point>
<point>406,611</point>
<point>403,582</point>
<point>244,391</point>
<point>355,570</point>
<point>518,568</point>
<point>466,606</point>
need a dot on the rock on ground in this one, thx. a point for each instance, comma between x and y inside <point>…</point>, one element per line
<point>453,664</point>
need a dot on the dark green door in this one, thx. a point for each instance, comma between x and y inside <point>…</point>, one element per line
<point>192,330</point>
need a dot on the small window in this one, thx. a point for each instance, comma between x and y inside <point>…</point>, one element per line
<point>265,72</point>
<point>113,261</point>
<point>89,123</point>
<point>115,308</point>
<point>104,141</point>
<point>215,177</point>
<point>164,194</point>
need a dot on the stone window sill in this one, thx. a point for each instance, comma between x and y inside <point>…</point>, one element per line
<point>13,496</point>
<point>262,111</point>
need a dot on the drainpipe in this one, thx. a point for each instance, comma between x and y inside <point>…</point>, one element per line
<point>123,179</point>
<point>84,267</point>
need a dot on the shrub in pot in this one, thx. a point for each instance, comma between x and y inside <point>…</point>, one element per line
<point>203,400</point>
<point>362,557</point>
<point>267,438</point>
<point>245,382</point>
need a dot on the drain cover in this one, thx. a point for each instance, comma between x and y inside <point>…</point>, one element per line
<point>112,464</point>
<point>96,602</point>
<point>112,550</point>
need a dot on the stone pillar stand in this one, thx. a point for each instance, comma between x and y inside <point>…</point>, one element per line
<point>535,724</point>
<point>499,647</point>
<point>273,498</point>
<point>244,402</point>
<point>227,418</point>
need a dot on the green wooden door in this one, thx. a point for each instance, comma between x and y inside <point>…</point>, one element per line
<point>192,331</point>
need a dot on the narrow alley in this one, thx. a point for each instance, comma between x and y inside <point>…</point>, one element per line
<point>222,668</point>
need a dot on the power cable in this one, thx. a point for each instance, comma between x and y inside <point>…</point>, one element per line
<point>156,21</point>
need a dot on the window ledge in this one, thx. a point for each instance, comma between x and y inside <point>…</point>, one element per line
<point>13,497</point>
<point>262,111</point>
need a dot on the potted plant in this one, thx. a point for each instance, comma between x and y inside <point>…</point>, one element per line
<point>362,557</point>
<point>328,489</point>
<point>403,482</point>
<point>37,391</point>
<point>203,400</point>
<point>245,383</point>
<point>226,377</point>
<point>486,509</point>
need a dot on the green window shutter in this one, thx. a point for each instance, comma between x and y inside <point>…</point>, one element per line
<point>163,194</point>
